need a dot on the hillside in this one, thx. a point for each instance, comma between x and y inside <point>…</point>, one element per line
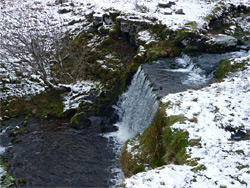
<point>74,59</point>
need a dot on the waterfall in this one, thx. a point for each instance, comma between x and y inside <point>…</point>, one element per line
<point>136,107</point>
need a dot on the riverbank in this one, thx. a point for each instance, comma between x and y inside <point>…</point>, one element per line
<point>108,42</point>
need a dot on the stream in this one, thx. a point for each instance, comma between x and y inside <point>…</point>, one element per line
<point>51,154</point>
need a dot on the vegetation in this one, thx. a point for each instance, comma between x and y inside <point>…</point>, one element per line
<point>41,105</point>
<point>159,144</point>
<point>6,179</point>
<point>225,66</point>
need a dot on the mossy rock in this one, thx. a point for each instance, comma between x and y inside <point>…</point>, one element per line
<point>80,121</point>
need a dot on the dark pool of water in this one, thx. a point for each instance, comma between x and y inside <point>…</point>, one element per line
<point>51,154</point>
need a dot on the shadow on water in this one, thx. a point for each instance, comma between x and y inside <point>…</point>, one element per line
<point>51,154</point>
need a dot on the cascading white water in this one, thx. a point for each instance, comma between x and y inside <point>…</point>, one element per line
<point>136,107</point>
<point>196,76</point>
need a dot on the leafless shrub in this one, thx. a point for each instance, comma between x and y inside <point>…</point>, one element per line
<point>38,45</point>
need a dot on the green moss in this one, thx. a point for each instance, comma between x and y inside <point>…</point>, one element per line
<point>199,168</point>
<point>41,105</point>
<point>193,162</point>
<point>114,33</point>
<point>240,167</point>
<point>195,142</point>
<point>192,25</point>
<point>6,179</point>
<point>224,67</point>
<point>155,51</point>
<point>240,152</point>
<point>74,119</point>
<point>158,145</point>
<point>21,181</point>
<point>175,145</point>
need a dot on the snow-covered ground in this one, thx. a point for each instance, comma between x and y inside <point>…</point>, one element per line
<point>75,18</point>
<point>221,161</point>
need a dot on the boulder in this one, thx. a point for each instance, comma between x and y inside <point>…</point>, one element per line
<point>166,4</point>
<point>64,10</point>
<point>221,43</point>
<point>97,20</point>
<point>80,121</point>
<point>57,2</point>
<point>129,29</point>
<point>225,40</point>
<point>180,11</point>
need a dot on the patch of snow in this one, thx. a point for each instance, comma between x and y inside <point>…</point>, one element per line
<point>78,93</point>
<point>147,37</point>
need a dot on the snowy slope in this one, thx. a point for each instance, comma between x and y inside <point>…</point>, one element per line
<point>77,13</point>
<point>221,161</point>
<point>226,102</point>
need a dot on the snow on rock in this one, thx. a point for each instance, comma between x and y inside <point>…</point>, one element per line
<point>78,92</point>
<point>221,161</point>
<point>224,40</point>
<point>146,37</point>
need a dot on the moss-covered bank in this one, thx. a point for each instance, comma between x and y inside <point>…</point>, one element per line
<point>159,144</point>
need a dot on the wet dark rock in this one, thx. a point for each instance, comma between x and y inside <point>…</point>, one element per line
<point>97,20</point>
<point>61,1</point>
<point>109,128</point>
<point>107,125</point>
<point>238,135</point>
<point>180,11</point>
<point>64,10</point>
<point>166,4</point>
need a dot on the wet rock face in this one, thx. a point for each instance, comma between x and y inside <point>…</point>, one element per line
<point>53,155</point>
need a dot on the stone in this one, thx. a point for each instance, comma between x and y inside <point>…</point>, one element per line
<point>80,121</point>
<point>221,43</point>
<point>238,135</point>
<point>61,1</point>
<point>64,10</point>
<point>97,20</point>
<point>166,4</point>
<point>224,40</point>
<point>167,11</point>
<point>108,20</point>
<point>180,11</point>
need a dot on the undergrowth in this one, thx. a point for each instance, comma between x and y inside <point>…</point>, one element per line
<point>225,66</point>
<point>158,145</point>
